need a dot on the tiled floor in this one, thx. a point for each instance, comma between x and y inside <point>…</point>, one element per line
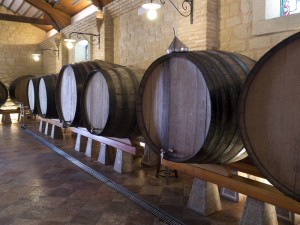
<point>38,186</point>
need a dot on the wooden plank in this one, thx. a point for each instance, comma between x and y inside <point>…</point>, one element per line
<point>27,10</point>
<point>22,19</point>
<point>101,3</point>
<point>122,146</point>
<point>254,189</point>
<point>12,2</point>
<point>20,7</point>
<point>8,111</point>
<point>70,8</point>
<point>245,168</point>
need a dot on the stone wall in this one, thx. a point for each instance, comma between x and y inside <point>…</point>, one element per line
<point>237,29</point>
<point>52,63</point>
<point>17,42</point>
<point>138,41</point>
<point>89,24</point>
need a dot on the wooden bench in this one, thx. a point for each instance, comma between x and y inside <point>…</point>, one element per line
<point>123,162</point>
<point>6,119</point>
<point>223,176</point>
<point>56,129</point>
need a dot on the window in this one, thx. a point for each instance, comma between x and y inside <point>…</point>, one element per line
<point>81,51</point>
<point>271,16</point>
<point>277,8</point>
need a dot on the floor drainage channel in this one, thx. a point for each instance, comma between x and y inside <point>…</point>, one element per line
<point>167,218</point>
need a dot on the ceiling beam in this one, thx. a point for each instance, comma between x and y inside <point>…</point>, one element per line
<point>27,10</point>
<point>12,2</point>
<point>98,3</point>
<point>101,3</point>
<point>22,19</point>
<point>19,8</point>
<point>57,18</point>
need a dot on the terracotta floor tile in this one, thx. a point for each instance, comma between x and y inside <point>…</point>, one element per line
<point>38,186</point>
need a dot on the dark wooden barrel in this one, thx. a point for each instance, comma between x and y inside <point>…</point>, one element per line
<point>32,95</point>
<point>3,93</point>
<point>187,102</point>
<point>18,90</point>
<point>46,96</point>
<point>69,88</point>
<point>109,102</point>
<point>269,115</point>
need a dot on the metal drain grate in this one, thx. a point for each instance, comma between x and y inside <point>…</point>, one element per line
<point>167,218</point>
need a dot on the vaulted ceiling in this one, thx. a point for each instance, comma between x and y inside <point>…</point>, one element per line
<point>47,14</point>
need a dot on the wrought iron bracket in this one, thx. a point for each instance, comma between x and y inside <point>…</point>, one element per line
<point>187,8</point>
<point>94,40</point>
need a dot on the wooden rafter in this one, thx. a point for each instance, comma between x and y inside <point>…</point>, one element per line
<point>12,2</point>
<point>27,10</point>
<point>57,18</point>
<point>20,7</point>
<point>101,3</point>
<point>22,19</point>
<point>36,14</point>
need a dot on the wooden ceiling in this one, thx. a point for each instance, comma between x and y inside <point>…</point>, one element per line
<point>47,14</point>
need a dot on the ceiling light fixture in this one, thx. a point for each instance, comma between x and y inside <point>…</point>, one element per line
<point>151,10</point>
<point>94,39</point>
<point>186,5</point>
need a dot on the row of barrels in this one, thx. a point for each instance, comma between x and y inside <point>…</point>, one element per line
<point>200,106</point>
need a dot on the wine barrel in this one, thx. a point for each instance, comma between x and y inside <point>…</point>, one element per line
<point>32,95</point>
<point>69,87</point>
<point>18,90</point>
<point>3,93</point>
<point>46,96</point>
<point>269,115</point>
<point>187,106</point>
<point>109,102</point>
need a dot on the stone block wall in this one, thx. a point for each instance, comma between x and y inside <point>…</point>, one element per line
<point>52,63</point>
<point>236,29</point>
<point>17,42</point>
<point>88,24</point>
<point>138,41</point>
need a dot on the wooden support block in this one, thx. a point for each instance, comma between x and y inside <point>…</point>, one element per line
<point>41,126</point>
<point>47,129</point>
<point>107,154</point>
<point>149,157</point>
<point>77,144</point>
<point>204,197</point>
<point>259,213</point>
<point>6,118</point>
<point>56,132</point>
<point>231,195</point>
<point>123,162</point>
<point>89,145</point>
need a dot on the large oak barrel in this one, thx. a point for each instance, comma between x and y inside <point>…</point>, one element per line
<point>46,96</point>
<point>18,90</point>
<point>69,88</point>
<point>32,95</point>
<point>269,113</point>
<point>109,102</point>
<point>187,103</point>
<point>3,93</point>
